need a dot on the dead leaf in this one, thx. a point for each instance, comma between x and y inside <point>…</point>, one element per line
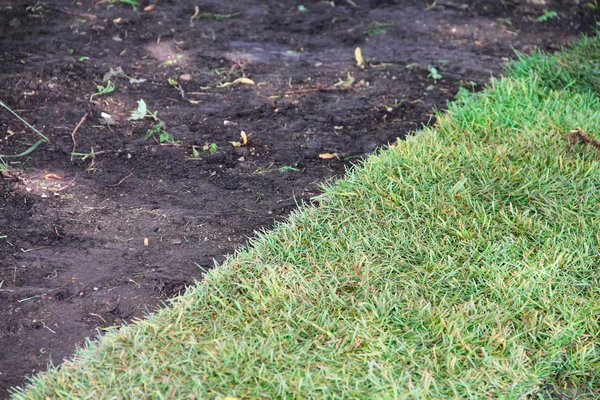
<point>7,175</point>
<point>106,119</point>
<point>146,242</point>
<point>244,81</point>
<point>196,13</point>
<point>52,176</point>
<point>327,156</point>
<point>359,58</point>
<point>149,7</point>
<point>244,138</point>
<point>236,144</point>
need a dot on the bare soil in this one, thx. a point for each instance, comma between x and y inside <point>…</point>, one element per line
<point>101,225</point>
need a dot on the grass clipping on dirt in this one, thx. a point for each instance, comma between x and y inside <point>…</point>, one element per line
<point>462,262</point>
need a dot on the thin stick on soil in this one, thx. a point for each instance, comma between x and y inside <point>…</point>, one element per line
<point>318,88</point>
<point>74,132</point>
<point>118,183</point>
<point>64,187</point>
<point>76,14</point>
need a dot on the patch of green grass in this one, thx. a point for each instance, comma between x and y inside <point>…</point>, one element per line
<point>575,69</point>
<point>459,263</point>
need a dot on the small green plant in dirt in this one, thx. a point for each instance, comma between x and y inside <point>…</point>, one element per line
<point>118,72</point>
<point>210,147</point>
<point>173,82</point>
<point>195,153</point>
<point>206,15</point>
<point>84,156</point>
<point>434,73</point>
<point>133,3</point>
<point>391,107</point>
<point>288,168</point>
<point>157,130</point>
<point>37,9</point>
<point>504,21</point>
<point>413,66</point>
<point>546,16</point>
<point>378,28</point>
<point>592,5</point>
<point>109,88</point>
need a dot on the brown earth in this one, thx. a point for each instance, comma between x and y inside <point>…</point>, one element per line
<point>103,236</point>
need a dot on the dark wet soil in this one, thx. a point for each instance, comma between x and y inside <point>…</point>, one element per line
<point>101,224</point>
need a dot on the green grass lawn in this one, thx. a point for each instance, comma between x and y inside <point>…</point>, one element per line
<point>460,263</point>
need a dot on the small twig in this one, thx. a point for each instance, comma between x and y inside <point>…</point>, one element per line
<point>33,249</point>
<point>62,188</point>
<point>118,183</point>
<point>182,92</point>
<point>76,14</point>
<point>74,132</point>
<point>448,4</point>
<point>318,88</point>
<point>99,316</point>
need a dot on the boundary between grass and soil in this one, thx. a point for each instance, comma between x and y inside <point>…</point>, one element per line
<point>459,263</point>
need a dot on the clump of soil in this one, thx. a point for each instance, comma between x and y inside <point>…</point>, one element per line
<point>115,215</point>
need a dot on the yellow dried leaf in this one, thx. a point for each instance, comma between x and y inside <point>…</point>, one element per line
<point>245,81</point>
<point>194,101</point>
<point>52,176</point>
<point>236,144</point>
<point>358,57</point>
<point>244,138</point>
<point>327,156</point>
<point>196,13</point>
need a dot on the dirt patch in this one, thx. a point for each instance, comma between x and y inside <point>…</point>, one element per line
<point>101,225</point>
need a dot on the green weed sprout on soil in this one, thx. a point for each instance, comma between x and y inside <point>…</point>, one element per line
<point>157,131</point>
<point>109,88</point>
<point>460,263</point>
<point>546,16</point>
<point>5,238</point>
<point>133,3</point>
